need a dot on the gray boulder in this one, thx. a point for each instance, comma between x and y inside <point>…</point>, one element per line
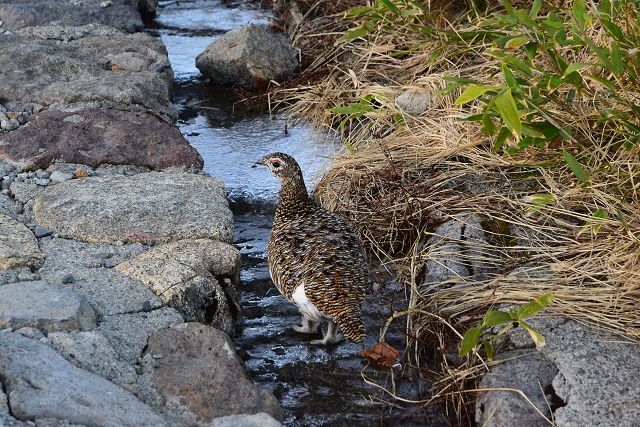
<point>524,371</point>
<point>197,277</point>
<point>192,374</point>
<point>249,57</point>
<point>159,206</point>
<point>595,383</point>
<point>42,384</point>
<point>16,14</point>
<point>81,73</point>
<point>44,306</point>
<point>96,137</point>
<point>18,245</point>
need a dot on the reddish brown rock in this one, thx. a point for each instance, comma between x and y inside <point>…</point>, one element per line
<point>95,137</point>
<point>192,374</point>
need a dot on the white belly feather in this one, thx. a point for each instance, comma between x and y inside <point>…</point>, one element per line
<point>306,307</point>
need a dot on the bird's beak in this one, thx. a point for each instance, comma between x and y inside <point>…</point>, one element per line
<point>259,162</point>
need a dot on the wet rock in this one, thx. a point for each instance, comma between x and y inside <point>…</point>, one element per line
<point>147,8</point>
<point>42,384</point>
<point>96,137</point>
<point>128,333</point>
<point>527,371</point>
<point>18,245</point>
<point>92,351</point>
<point>189,275</point>
<point>76,75</point>
<point>18,14</point>
<point>158,206</point>
<point>44,306</point>
<point>415,102</point>
<point>595,382</point>
<point>249,57</point>
<point>191,373</point>
<point>79,266</point>
<point>256,420</point>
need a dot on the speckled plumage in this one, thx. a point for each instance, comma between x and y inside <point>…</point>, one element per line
<point>316,248</point>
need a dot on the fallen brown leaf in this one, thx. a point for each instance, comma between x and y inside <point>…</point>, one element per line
<point>382,354</point>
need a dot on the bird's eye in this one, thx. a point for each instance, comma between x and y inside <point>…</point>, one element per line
<point>276,164</point>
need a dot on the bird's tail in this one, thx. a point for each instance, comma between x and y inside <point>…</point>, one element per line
<point>351,325</point>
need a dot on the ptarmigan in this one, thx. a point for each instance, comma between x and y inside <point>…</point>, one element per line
<point>316,261</point>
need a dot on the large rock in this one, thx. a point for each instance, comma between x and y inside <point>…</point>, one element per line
<point>85,267</point>
<point>16,14</point>
<point>249,57</point>
<point>18,245</point>
<point>525,371</point>
<point>198,277</point>
<point>160,206</point>
<point>92,351</point>
<point>128,333</point>
<point>42,384</point>
<point>6,420</point>
<point>595,382</point>
<point>192,374</point>
<point>96,137</point>
<point>121,71</point>
<point>44,306</point>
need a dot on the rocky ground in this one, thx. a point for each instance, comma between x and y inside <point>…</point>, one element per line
<point>581,377</point>
<point>117,279</point>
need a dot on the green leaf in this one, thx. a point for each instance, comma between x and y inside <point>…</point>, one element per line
<point>542,199</point>
<point>534,306</point>
<point>495,318</point>
<point>352,34</point>
<point>357,12</point>
<point>488,347</point>
<point>470,340</point>
<point>536,336</point>
<point>389,5</point>
<point>488,127</point>
<point>575,166</point>
<point>579,11</point>
<point>509,77</point>
<point>506,106</point>
<point>600,214</point>
<point>537,5</point>
<point>516,42</point>
<point>573,67</point>
<point>472,92</point>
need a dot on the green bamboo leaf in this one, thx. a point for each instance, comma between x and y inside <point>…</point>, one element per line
<point>470,340</point>
<point>506,106</point>
<point>534,306</point>
<point>575,166</point>
<point>488,348</point>
<point>472,92</point>
<point>579,12</point>
<point>516,42</point>
<point>573,67</point>
<point>537,5</point>
<point>541,199</point>
<point>509,77</point>
<point>536,336</point>
<point>389,5</point>
<point>495,318</point>
<point>352,34</point>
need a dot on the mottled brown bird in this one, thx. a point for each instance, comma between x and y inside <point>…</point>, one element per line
<point>316,261</point>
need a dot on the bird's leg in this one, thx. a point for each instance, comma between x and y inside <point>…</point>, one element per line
<point>308,326</point>
<point>332,335</point>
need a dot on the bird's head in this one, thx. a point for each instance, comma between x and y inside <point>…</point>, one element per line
<point>281,165</point>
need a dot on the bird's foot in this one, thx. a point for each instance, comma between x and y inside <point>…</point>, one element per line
<point>308,326</point>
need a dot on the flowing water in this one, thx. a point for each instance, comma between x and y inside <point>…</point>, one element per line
<point>316,386</point>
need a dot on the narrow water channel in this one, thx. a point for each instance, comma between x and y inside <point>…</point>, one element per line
<point>316,386</point>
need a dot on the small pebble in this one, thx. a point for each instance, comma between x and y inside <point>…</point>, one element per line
<point>38,108</point>
<point>68,278</point>
<point>42,232</point>
<point>42,174</point>
<point>22,119</point>
<point>42,182</point>
<point>9,125</point>
<point>146,306</point>
<point>105,4</point>
<point>57,176</point>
